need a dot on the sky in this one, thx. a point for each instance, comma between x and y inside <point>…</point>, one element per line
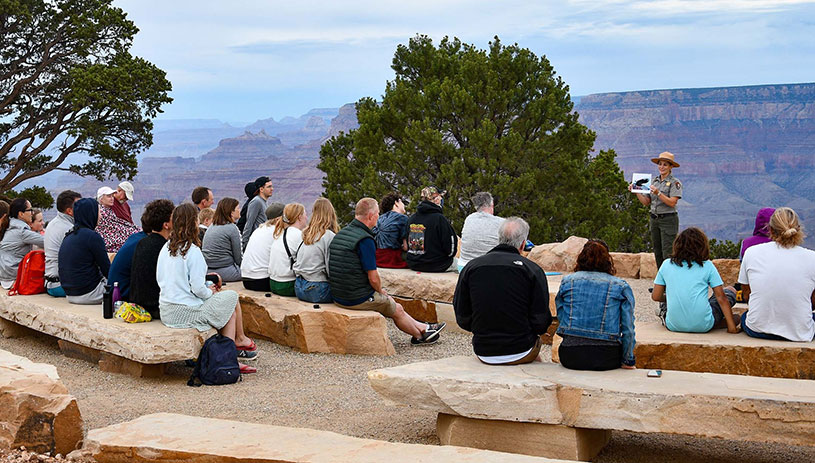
<point>243,61</point>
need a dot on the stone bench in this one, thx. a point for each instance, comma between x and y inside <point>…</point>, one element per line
<point>164,437</point>
<point>36,411</point>
<point>330,329</point>
<point>139,349</point>
<point>429,296</point>
<point>721,352</point>
<point>546,410</point>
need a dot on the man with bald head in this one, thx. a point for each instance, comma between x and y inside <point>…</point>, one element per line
<point>354,279</point>
<point>503,299</point>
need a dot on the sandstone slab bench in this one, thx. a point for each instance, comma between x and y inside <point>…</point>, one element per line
<point>165,437</point>
<point>521,408</point>
<point>429,296</point>
<point>330,329</point>
<point>36,411</point>
<point>720,352</point>
<point>139,349</point>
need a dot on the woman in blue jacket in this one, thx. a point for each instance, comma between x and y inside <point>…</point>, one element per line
<point>596,314</point>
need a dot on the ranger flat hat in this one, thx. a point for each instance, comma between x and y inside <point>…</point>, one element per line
<point>665,156</point>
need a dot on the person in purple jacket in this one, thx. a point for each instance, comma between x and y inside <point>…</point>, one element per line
<point>761,233</point>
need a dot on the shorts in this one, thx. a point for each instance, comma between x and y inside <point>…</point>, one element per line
<point>377,302</point>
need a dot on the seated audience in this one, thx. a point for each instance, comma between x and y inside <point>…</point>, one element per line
<point>205,218</point>
<point>121,196</point>
<point>778,280</point>
<point>37,223</point>
<point>761,232</point>
<point>4,207</point>
<point>144,289</point>
<point>391,233</point>
<point>120,268</point>
<point>255,265</point>
<point>185,300</point>
<point>683,280</point>
<point>114,230</point>
<point>222,242</point>
<point>54,234</point>
<point>596,314</point>
<point>311,266</point>
<point>202,198</point>
<point>354,279</point>
<point>255,211</point>
<point>288,237</point>
<point>432,242</point>
<point>83,261</point>
<point>503,299</point>
<point>480,232</point>
<point>18,239</point>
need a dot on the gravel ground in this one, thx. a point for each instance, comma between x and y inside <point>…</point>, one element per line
<point>331,392</point>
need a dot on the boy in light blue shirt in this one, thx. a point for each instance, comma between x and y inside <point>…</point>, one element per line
<point>684,279</point>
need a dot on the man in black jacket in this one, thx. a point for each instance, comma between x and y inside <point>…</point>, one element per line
<point>503,299</point>
<point>432,242</point>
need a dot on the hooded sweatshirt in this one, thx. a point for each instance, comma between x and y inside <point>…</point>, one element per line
<point>761,232</point>
<point>83,261</point>
<point>432,242</point>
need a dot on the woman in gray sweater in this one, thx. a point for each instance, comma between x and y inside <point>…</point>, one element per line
<point>311,266</point>
<point>16,240</point>
<point>222,241</point>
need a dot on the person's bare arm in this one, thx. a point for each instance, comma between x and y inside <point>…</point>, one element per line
<point>726,309</point>
<point>376,282</point>
<point>669,201</point>
<point>745,293</point>
<point>812,300</point>
<point>659,293</point>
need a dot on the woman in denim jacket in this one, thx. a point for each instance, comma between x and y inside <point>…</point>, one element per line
<point>596,314</point>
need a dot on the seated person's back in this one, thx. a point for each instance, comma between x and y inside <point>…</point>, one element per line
<point>83,261</point>
<point>391,233</point>
<point>503,299</point>
<point>144,287</point>
<point>432,242</point>
<point>480,231</point>
<point>120,268</point>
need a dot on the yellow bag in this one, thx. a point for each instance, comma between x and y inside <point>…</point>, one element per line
<point>132,313</point>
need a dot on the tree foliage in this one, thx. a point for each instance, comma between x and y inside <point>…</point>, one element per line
<point>69,86</point>
<point>724,249</point>
<point>38,196</point>
<point>500,120</point>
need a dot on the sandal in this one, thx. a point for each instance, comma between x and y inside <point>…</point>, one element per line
<point>251,348</point>
<point>246,369</point>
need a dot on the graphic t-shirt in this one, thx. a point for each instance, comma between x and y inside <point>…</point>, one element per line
<point>416,239</point>
<point>686,289</point>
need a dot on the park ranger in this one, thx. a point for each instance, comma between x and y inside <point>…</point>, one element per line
<point>665,193</point>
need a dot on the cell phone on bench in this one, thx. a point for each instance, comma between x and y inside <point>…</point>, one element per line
<point>654,373</point>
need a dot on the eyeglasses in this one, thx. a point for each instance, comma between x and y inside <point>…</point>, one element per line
<point>28,210</point>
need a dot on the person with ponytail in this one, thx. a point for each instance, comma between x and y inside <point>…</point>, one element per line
<point>288,236</point>
<point>185,300</point>
<point>596,314</point>
<point>17,240</point>
<point>778,282</point>
<point>311,266</point>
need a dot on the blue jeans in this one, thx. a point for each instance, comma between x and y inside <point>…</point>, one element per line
<point>312,291</point>
<point>56,292</point>
<point>755,334</point>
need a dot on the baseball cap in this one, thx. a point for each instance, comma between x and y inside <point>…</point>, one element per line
<point>105,190</point>
<point>430,191</point>
<point>127,187</point>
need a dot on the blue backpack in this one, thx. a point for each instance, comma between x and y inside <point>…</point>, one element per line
<point>217,363</point>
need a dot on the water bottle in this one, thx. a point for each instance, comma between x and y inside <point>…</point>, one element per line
<point>116,295</point>
<point>107,302</point>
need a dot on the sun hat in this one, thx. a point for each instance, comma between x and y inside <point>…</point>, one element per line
<point>102,191</point>
<point>665,156</point>
<point>127,187</point>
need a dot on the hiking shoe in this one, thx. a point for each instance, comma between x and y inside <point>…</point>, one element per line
<point>246,369</point>
<point>431,334</point>
<point>247,355</point>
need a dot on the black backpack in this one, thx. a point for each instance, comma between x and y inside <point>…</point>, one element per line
<point>217,363</point>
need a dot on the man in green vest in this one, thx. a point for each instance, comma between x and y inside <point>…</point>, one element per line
<point>354,279</point>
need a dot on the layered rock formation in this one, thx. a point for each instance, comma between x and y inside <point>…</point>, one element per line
<point>740,148</point>
<point>36,411</point>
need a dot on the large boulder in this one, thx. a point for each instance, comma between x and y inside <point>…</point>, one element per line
<point>36,411</point>
<point>627,265</point>
<point>558,257</point>
<point>728,270</point>
<point>406,283</point>
<point>648,265</point>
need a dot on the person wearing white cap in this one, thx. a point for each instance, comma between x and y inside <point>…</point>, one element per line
<point>113,229</point>
<point>122,195</point>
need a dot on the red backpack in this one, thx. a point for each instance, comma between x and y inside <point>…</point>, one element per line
<point>30,275</point>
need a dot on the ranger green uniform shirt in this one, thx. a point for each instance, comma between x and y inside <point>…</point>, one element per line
<point>670,187</point>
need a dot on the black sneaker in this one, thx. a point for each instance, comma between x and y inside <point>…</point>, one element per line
<point>247,355</point>
<point>431,334</point>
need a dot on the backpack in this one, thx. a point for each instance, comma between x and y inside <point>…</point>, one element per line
<point>217,363</point>
<point>30,275</point>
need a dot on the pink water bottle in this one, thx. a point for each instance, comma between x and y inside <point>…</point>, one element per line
<point>116,295</point>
